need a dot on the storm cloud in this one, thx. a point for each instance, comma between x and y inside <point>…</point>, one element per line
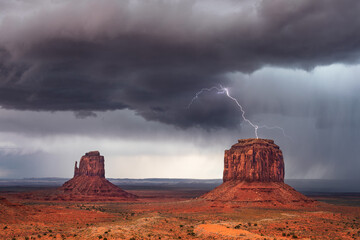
<point>318,110</point>
<point>153,56</point>
<point>118,76</point>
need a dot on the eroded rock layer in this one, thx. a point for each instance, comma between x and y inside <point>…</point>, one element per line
<point>265,194</point>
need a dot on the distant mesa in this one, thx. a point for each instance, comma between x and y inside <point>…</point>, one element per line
<point>89,181</point>
<point>254,175</point>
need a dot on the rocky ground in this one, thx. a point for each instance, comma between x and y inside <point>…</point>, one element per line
<point>175,214</point>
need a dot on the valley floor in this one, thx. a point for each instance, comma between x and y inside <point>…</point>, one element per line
<point>174,214</point>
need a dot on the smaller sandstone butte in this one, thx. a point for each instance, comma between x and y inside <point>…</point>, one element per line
<point>91,164</point>
<point>254,175</point>
<point>89,181</point>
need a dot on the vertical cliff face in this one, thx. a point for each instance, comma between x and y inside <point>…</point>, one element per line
<point>254,160</point>
<point>91,164</point>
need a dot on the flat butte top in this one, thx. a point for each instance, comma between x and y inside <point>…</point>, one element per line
<point>255,141</point>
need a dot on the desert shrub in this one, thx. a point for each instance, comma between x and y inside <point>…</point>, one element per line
<point>105,238</point>
<point>181,225</point>
<point>237,226</point>
<point>294,236</point>
<point>255,224</point>
<point>100,237</point>
<point>249,224</point>
<point>5,227</point>
<point>191,233</point>
<point>132,238</point>
<point>283,234</point>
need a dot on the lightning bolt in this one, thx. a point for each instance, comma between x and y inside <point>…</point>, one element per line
<point>276,127</point>
<point>222,90</point>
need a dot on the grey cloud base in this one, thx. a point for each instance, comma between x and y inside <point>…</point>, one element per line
<point>153,56</point>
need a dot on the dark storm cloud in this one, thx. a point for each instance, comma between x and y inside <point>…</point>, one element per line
<point>153,56</point>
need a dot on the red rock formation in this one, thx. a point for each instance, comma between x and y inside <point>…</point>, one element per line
<point>254,160</point>
<point>89,181</point>
<point>91,164</point>
<point>254,175</point>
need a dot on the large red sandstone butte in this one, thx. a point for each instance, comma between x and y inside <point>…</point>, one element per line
<point>89,181</point>
<point>254,174</point>
<point>254,160</point>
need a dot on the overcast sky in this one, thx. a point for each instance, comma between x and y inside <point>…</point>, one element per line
<point>118,76</point>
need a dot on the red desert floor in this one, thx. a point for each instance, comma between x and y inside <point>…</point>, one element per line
<point>173,214</point>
